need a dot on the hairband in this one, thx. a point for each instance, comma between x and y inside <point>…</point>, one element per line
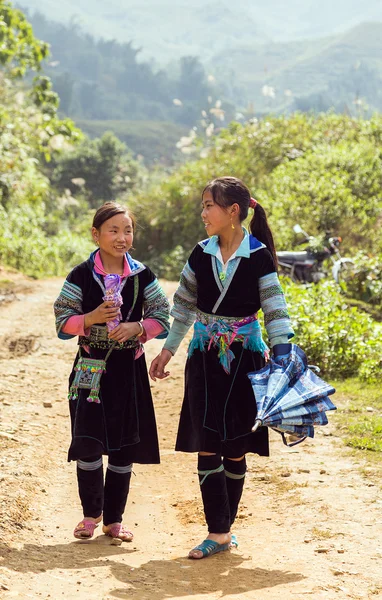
<point>252,203</point>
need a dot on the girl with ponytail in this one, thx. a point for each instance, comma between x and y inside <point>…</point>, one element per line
<point>227,279</point>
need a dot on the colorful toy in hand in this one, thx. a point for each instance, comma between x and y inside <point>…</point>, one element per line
<point>113,294</point>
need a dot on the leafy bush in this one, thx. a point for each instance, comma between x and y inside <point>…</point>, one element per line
<point>366,281</point>
<point>169,265</point>
<point>324,172</point>
<point>340,339</point>
<point>25,246</point>
<point>330,188</point>
<point>371,368</point>
<point>102,168</point>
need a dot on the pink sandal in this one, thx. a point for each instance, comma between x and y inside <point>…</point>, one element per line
<point>120,531</point>
<point>85,529</point>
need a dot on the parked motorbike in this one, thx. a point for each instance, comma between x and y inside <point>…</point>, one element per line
<point>307,266</point>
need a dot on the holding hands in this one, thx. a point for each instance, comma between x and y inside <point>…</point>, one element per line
<point>158,365</point>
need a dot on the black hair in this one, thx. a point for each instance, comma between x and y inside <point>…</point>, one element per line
<point>109,210</point>
<point>226,191</point>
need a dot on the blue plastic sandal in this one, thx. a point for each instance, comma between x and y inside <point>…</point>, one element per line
<point>209,547</point>
<point>234,543</point>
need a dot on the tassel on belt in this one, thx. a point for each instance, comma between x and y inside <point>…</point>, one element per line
<point>221,334</point>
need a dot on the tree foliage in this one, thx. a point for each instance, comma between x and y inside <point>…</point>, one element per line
<point>19,49</point>
<point>31,135</point>
<point>102,168</point>
<point>324,172</point>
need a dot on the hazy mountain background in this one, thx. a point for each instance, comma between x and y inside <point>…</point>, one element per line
<point>121,64</point>
<point>341,71</point>
<point>165,29</point>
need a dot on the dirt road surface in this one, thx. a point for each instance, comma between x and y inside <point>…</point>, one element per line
<point>310,525</point>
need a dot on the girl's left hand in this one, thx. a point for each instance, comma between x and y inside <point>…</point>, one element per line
<point>124,331</point>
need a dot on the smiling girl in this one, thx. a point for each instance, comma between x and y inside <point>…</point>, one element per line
<point>110,401</point>
<point>225,282</point>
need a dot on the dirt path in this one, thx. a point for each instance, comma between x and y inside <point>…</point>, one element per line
<point>310,524</point>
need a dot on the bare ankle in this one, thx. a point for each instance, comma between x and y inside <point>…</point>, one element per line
<point>94,519</point>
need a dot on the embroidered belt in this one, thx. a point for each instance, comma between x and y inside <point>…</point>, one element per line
<point>209,319</point>
<point>98,338</point>
<point>221,332</point>
<point>98,333</point>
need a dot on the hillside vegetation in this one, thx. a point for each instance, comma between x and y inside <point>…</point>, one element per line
<point>341,72</point>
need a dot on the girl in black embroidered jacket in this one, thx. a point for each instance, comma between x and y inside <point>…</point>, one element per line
<point>226,280</point>
<point>119,419</point>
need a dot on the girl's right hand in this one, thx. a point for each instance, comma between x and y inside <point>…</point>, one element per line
<point>158,365</point>
<point>104,313</point>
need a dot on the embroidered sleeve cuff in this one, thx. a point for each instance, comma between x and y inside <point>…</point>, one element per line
<point>280,339</point>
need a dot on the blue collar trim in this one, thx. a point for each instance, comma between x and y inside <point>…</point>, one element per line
<point>249,245</point>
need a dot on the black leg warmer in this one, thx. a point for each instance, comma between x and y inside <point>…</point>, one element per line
<point>213,487</point>
<point>90,486</point>
<point>117,485</point>
<point>235,476</point>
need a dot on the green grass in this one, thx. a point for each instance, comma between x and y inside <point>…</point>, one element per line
<point>373,311</point>
<point>7,285</point>
<point>360,427</point>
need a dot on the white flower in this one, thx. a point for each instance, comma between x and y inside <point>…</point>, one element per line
<point>268,90</point>
<point>188,149</point>
<point>186,140</point>
<point>218,113</point>
<point>19,98</point>
<point>66,200</point>
<point>79,181</point>
<point>210,130</point>
<point>204,153</point>
<point>177,102</point>
<point>57,142</point>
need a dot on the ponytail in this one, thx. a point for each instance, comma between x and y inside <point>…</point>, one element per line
<point>260,229</point>
<point>230,190</point>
